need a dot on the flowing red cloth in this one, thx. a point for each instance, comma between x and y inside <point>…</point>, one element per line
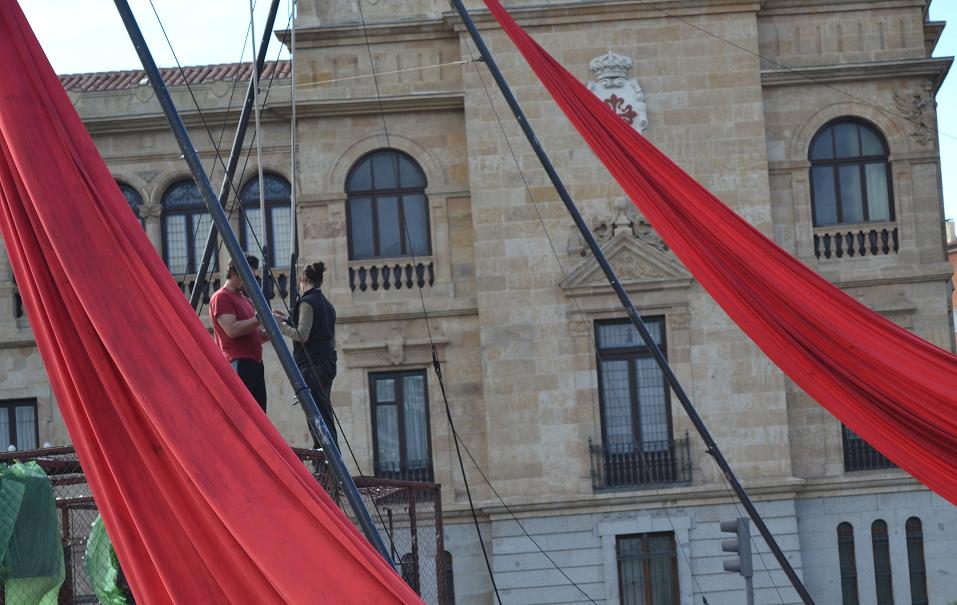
<point>892,388</point>
<point>204,501</point>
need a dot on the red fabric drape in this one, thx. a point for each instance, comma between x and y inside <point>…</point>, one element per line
<point>203,499</point>
<point>892,388</point>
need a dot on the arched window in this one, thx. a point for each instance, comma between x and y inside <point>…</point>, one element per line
<point>915,562</point>
<point>845,553</point>
<point>133,198</point>
<point>387,212</point>
<point>447,592</point>
<point>278,241</point>
<point>185,227</point>
<point>850,175</point>
<point>882,563</point>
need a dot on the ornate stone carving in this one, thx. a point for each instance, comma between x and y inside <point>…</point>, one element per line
<point>148,175</point>
<point>631,268</point>
<point>613,86</point>
<point>150,211</point>
<point>395,346</point>
<point>916,107</point>
<point>627,220</point>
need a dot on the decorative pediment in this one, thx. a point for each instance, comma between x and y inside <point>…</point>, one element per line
<point>639,264</point>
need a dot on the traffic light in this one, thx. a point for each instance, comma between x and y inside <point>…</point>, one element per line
<point>740,544</point>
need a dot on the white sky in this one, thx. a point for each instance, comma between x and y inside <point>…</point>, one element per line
<point>87,35</point>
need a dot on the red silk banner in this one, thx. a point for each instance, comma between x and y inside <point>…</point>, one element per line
<point>895,390</point>
<point>204,501</point>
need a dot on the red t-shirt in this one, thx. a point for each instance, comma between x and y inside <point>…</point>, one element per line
<point>227,302</point>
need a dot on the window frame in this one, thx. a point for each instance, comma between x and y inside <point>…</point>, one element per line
<point>916,570</point>
<point>373,195</point>
<point>190,211</point>
<point>397,376</point>
<point>850,579</point>
<point>647,588</point>
<point>861,161</point>
<point>630,354</point>
<point>127,190</point>
<point>855,463</point>
<point>271,205</point>
<point>880,543</point>
<point>9,406</point>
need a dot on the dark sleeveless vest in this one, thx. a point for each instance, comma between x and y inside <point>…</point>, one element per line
<point>321,343</point>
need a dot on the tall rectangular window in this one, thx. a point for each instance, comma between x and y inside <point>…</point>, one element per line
<point>637,445</point>
<point>647,569</point>
<point>400,425</point>
<point>882,563</point>
<point>18,424</point>
<point>845,552</point>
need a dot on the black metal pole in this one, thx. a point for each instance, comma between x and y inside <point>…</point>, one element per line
<point>317,427</point>
<point>199,285</point>
<point>629,306</point>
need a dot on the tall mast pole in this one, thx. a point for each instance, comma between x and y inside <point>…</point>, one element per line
<point>263,236</point>
<point>633,314</point>
<point>317,426</point>
<point>294,163</point>
<point>199,285</point>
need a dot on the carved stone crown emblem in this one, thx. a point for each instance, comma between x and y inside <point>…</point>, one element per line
<point>611,66</point>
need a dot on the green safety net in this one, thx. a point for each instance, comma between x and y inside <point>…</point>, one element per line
<point>103,568</point>
<point>31,552</point>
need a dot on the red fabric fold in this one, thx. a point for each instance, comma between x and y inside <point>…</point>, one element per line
<point>201,496</point>
<point>892,388</point>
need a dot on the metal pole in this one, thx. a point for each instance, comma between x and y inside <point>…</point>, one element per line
<point>749,588</point>
<point>294,168</point>
<point>317,427</point>
<point>199,286</point>
<point>263,236</point>
<point>629,306</point>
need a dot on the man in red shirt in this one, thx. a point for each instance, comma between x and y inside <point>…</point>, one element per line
<point>237,331</point>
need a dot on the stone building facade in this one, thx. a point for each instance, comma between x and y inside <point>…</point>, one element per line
<point>814,121</point>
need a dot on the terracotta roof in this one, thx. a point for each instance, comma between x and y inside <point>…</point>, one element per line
<point>202,74</point>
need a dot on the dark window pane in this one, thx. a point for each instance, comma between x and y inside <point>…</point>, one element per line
<point>26,419</point>
<point>845,551</point>
<point>625,335</point>
<point>277,189</point>
<point>361,177</point>
<point>133,198</point>
<point>385,171</point>
<point>823,148</point>
<point>846,140</point>
<point>360,218</point>
<point>251,228</point>
<point>409,174</point>
<point>870,143</point>
<point>616,404</point>
<point>387,437</point>
<point>416,421</point>
<point>825,204</point>
<point>852,199</point>
<point>416,224</point>
<point>652,405</point>
<point>177,251</point>
<point>915,561</point>
<point>390,242</point>
<point>183,193</point>
<point>878,200</point>
<point>281,235</point>
<point>646,569</point>
<point>882,563</point>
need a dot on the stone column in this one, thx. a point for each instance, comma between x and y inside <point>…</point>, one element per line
<point>151,215</point>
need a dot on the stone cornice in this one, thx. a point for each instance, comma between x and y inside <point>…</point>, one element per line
<point>876,482</point>
<point>359,313</point>
<point>326,108</point>
<point>534,15</point>
<point>935,69</point>
<point>140,123</point>
<point>806,7</point>
<point>591,11</point>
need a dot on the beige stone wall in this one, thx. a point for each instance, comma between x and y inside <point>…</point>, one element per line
<point>514,325</point>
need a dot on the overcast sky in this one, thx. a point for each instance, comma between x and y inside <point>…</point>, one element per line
<point>87,35</point>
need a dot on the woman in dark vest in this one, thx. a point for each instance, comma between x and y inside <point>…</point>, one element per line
<point>312,328</point>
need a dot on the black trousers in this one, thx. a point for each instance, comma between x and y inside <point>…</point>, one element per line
<point>319,376</point>
<point>253,375</point>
